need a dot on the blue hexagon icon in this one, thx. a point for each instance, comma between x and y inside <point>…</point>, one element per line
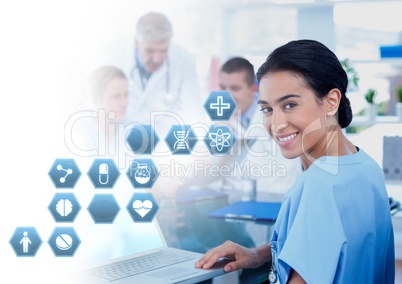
<point>25,241</point>
<point>64,207</point>
<point>142,139</point>
<point>220,105</point>
<point>142,207</point>
<point>103,208</point>
<point>64,173</point>
<point>103,173</point>
<point>181,139</point>
<point>64,241</point>
<point>220,139</point>
<point>142,173</point>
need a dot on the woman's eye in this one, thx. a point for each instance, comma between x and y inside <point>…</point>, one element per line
<point>290,105</point>
<point>266,109</point>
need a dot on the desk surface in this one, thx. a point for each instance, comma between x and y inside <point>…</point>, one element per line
<point>187,226</point>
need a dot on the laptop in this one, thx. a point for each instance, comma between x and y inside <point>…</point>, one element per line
<point>151,261</point>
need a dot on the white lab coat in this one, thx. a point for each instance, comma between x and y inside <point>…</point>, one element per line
<point>173,87</point>
<point>172,94</point>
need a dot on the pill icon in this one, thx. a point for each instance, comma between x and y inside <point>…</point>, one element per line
<point>103,173</point>
<point>64,242</point>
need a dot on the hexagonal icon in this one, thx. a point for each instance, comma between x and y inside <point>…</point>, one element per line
<point>103,173</point>
<point>181,139</point>
<point>25,241</point>
<point>103,208</point>
<point>220,139</point>
<point>142,173</point>
<point>64,207</point>
<point>64,173</point>
<point>142,207</point>
<point>64,241</point>
<point>220,105</point>
<point>142,139</point>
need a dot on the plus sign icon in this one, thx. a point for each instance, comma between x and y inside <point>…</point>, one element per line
<point>220,105</point>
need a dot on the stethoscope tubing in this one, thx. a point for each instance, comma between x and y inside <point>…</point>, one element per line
<point>144,81</point>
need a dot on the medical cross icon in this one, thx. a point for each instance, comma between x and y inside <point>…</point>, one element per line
<point>219,106</point>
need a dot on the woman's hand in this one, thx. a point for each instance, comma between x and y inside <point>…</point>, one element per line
<point>241,257</point>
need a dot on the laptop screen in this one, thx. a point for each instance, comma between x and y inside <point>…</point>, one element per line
<point>101,243</point>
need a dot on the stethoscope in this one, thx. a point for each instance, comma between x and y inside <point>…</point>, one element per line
<point>144,80</point>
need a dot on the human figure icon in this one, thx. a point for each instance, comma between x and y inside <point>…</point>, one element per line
<point>25,241</point>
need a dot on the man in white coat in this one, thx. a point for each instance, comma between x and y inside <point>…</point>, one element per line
<point>163,76</point>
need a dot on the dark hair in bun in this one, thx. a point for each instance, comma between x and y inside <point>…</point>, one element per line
<point>319,67</point>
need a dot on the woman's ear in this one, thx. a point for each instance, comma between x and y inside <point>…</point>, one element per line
<point>332,101</point>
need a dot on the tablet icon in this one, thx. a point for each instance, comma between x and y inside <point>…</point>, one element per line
<point>64,241</point>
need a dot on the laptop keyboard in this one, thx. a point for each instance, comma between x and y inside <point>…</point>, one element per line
<point>129,267</point>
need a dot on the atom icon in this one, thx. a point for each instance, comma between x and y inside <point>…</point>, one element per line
<point>219,139</point>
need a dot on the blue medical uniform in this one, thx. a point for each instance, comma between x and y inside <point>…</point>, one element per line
<point>334,225</point>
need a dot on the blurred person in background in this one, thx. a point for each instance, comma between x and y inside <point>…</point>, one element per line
<point>162,75</point>
<point>96,130</point>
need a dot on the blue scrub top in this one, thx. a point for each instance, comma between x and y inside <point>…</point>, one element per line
<point>334,225</point>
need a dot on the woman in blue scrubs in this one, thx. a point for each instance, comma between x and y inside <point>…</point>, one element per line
<point>334,225</point>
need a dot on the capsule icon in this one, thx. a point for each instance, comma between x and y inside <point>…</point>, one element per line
<point>103,173</point>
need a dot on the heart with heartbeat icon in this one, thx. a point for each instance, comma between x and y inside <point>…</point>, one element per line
<point>142,207</point>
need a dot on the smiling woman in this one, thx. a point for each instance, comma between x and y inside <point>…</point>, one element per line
<point>304,101</point>
<point>302,97</point>
<point>338,208</point>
